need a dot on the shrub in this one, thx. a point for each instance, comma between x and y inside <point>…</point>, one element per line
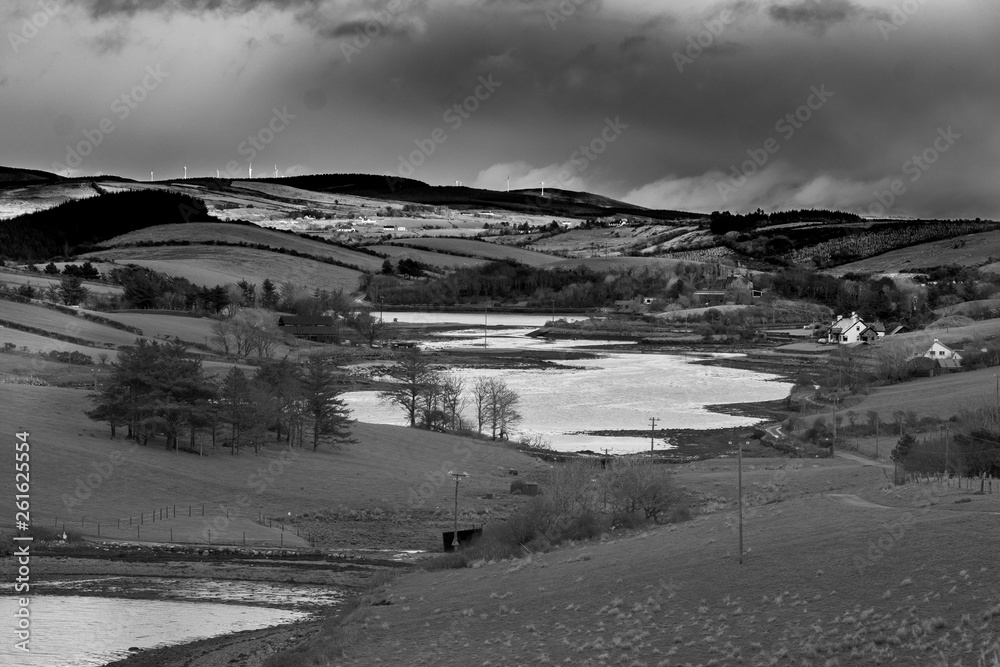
<point>639,490</point>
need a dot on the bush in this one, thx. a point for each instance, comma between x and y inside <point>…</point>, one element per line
<point>639,490</point>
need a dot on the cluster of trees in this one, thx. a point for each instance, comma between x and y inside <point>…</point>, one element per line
<point>434,400</point>
<point>721,222</point>
<point>578,287</point>
<point>247,332</point>
<point>58,232</point>
<point>86,272</point>
<point>404,267</point>
<point>158,388</point>
<point>69,291</point>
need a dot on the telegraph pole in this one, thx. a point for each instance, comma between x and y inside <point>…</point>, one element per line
<point>739,493</point>
<point>652,427</point>
<point>458,476</point>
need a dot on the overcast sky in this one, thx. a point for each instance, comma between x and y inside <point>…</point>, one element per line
<point>881,106</point>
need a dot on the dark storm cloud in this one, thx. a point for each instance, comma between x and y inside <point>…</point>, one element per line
<point>818,15</point>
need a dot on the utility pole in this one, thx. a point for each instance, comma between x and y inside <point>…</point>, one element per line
<point>652,427</point>
<point>739,493</point>
<point>458,476</point>
<point>835,401</point>
<point>876,437</point>
<point>486,322</point>
<point>947,453</point>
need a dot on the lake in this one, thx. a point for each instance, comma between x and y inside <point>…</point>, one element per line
<point>617,391</point>
<point>83,631</point>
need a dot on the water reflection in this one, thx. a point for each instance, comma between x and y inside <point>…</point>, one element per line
<point>76,631</point>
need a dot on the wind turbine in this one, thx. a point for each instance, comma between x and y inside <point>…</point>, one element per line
<point>508,182</point>
<point>150,176</point>
<point>216,173</point>
<point>275,171</point>
<point>185,172</point>
<point>543,188</point>
<point>251,170</point>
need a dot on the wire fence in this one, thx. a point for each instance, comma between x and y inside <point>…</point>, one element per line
<point>177,524</point>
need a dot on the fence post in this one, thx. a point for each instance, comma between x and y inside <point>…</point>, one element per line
<point>244,538</point>
<point>137,532</point>
<point>171,533</point>
<point>98,528</point>
<point>203,509</point>
<point>209,537</point>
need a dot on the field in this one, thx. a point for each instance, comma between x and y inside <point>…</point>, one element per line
<point>37,343</point>
<point>207,265</point>
<point>844,573</point>
<point>603,241</point>
<point>396,469</point>
<point>479,249</point>
<point>201,232</point>
<point>436,259</point>
<point>41,281</point>
<point>64,324</point>
<point>967,250</point>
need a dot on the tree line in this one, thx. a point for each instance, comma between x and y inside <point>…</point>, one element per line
<point>159,389</point>
<point>434,400</point>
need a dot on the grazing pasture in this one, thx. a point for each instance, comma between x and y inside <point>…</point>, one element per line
<point>847,574</point>
<point>64,324</point>
<point>390,467</point>
<point>479,249</point>
<point>202,232</point>
<point>42,281</point>
<point>439,260</point>
<point>215,265</point>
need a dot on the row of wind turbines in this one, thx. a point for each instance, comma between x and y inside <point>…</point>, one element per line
<point>218,173</point>
<point>250,175</point>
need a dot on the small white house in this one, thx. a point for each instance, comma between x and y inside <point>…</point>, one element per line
<point>939,350</point>
<point>845,330</point>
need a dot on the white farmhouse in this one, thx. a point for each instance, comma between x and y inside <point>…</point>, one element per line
<point>846,330</point>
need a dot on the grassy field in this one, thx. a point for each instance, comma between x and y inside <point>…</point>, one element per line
<point>64,324</point>
<point>842,573</point>
<point>968,250</point>
<point>200,232</point>
<point>600,241</point>
<point>398,469</point>
<point>480,249</point>
<point>41,281</point>
<point>439,260</point>
<point>206,265</point>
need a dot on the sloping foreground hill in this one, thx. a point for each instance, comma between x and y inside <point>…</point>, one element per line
<point>220,265</point>
<point>229,233</point>
<point>846,575</point>
<point>399,469</point>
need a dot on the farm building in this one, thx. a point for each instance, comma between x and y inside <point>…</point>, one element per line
<point>321,329</point>
<point>734,289</point>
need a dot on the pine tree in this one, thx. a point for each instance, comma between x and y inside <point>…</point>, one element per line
<point>321,392</point>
